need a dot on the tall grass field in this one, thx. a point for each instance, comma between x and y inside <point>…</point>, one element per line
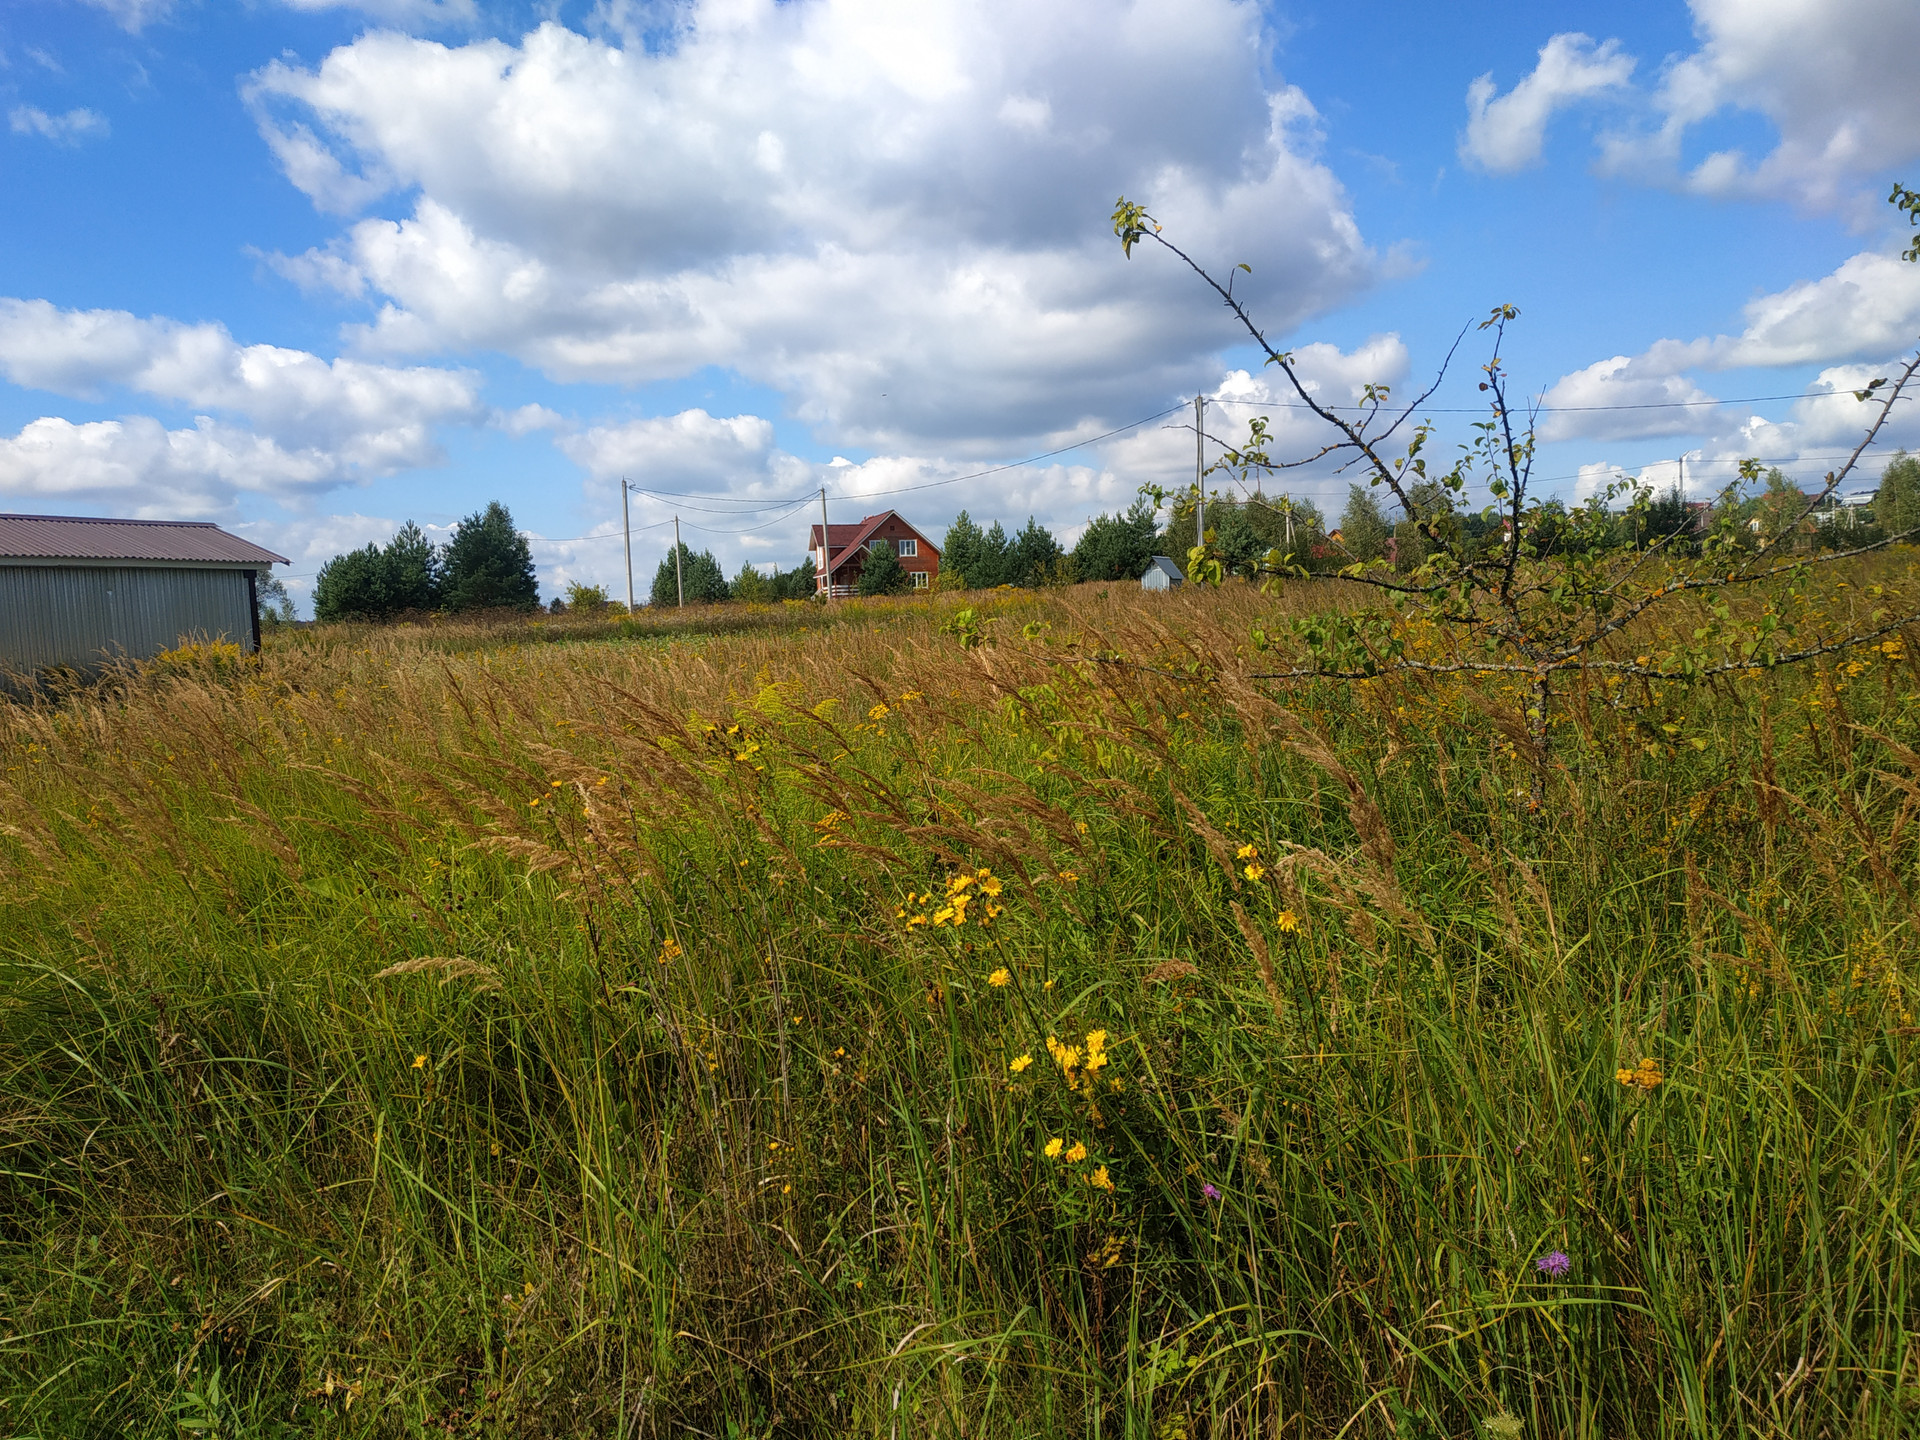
<point>975,1017</point>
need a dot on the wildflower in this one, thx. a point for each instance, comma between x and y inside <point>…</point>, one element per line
<point>555,784</point>
<point>1288,922</point>
<point>1100,1180</point>
<point>959,883</point>
<point>1019,1063</point>
<point>1069,877</point>
<point>1047,986</point>
<point>1643,1077</point>
<point>1053,1148</point>
<point>1247,852</point>
<point>669,951</point>
<point>879,712</point>
<point>989,885</point>
<point>1000,978</point>
<point>535,801</point>
<point>1554,1263</point>
<point>1209,1191</point>
<point>1255,870</point>
<point>1079,825</point>
<point>419,1062</point>
<point>1077,1153</point>
<point>907,695</point>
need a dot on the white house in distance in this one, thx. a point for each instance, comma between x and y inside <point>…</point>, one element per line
<point>918,556</point>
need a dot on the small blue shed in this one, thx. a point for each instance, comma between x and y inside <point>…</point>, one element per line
<point>1162,574</point>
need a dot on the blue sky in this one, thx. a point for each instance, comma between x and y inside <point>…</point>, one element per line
<point>311,269</point>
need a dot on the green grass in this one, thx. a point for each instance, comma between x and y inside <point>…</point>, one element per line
<point>783,1181</point>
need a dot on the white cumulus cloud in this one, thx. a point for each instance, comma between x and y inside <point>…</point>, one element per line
<point>311,424</point>
<point>896,216</point>
<point>1506,132</point>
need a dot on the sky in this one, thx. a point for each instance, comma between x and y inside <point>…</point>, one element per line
<point>312,268</point>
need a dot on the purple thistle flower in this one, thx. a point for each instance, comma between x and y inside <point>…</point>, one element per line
<point>1208,1191</point>
<point>1554,1263</point>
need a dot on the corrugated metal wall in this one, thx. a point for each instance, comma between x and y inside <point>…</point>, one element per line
<point>77,615</point>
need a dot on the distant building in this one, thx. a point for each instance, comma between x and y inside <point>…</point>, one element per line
<point>1162,574</point>
<point>918,556</point>
<point>80,592</point>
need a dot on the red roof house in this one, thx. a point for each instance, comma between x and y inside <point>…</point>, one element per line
<point>918,556</point>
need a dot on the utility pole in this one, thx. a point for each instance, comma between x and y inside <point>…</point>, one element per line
<point>1200,469</point>
<point>626,525</point>
<point>826,548</point>
<point>679,580</point>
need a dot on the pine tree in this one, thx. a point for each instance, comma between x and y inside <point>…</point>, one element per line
<point>1030,559</point>
<point>961,551</point>
<point>488,564</point>
<point>351,587</point>
<point>1117,547</point>
<point>706,583</point>
<point>411,569</point>
<point>882,574</point>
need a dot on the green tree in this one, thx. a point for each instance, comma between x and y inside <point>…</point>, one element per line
<point>1363,529</point>
<point>750,587</point>
<point>270,596</point>
<point>1117,547</point>
<point>351,587</point>
<point>411,570</point>
<point>705,581</point>
<point>794,584</point>
<point>1896,505</point>
<point>883,574</point>
<point>585,599</point>
<point>488,565</point>
<point>962,550</point>
<point>1030,558</point>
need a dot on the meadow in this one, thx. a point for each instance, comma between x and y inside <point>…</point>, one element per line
<point>984,1016</point>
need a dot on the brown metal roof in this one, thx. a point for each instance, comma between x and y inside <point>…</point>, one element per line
<point>79,537</point>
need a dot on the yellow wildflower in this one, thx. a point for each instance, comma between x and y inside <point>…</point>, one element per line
<point>669,951</point>
<point>958,884</point>
<point>988,884</point>
<point>1256,871</point>
<point>1101,1180</point>
<point>1000,978</point>
<point>1288,922</point>
<point>1644,1076</point>
<point>1019,1063</point>
<point>1077,1153</point>
<point>1052,1150</point>
<point>1247,852</point>
<point>419,1062</point>
<point>555,784</point>
<point>909,695</point>
<point>1069,877</point>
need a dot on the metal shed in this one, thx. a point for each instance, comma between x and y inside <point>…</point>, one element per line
<point>79,592</point>
<point>1162,574</point>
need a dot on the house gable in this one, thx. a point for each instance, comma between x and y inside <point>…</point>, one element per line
<point>850,544</point>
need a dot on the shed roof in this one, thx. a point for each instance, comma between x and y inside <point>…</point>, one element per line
<point>1166,566</point>
<point>80,537</point>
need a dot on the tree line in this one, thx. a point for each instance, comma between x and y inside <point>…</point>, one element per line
<point>485,565</point>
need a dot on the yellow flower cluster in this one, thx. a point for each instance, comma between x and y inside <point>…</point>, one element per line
<point>1251,854</point>
<point>669,951</point>
<point>1077,1064</point>
<point>963,892</point>
<point>1058,1149</point>
<point>1643,1077</point>
<point>1000,978</point>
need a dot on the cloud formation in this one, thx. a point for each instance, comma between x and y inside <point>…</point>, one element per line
<point>68,129</point>
<point>312,423</point>
<point>897,217</point>
<point>1834,83</point>
<point>1505,133</point>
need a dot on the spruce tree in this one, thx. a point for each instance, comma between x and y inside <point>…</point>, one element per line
<point>961,551</point>
<point>488,564</point>
<point>883,574</point>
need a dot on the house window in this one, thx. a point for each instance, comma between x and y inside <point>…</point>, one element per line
<point>919,577</point>
<point>909,549</point>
